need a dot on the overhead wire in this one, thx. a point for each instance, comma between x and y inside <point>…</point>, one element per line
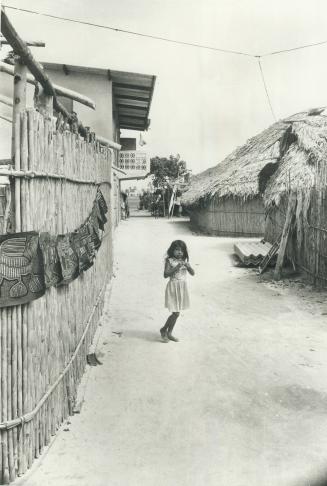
<point>305,46</point>
<point>165,39</point>
<point>131,32</point>
<point>266,88</point>
<point>179,42</point>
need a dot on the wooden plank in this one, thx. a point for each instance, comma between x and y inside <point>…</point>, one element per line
<point>129,114</point>
<point>291,207</point>
<point>270,255</point>
<point>134,87</point>
<point>122,96</point>
<point>130,108</point>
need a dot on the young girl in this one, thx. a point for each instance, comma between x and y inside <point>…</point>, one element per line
<point>176,298</point>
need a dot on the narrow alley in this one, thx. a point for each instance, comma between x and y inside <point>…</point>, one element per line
<point>240,400</point>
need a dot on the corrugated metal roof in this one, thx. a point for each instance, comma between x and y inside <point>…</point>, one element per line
<point>132,93</point>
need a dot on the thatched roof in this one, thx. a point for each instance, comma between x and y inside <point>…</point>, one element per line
<point>282,155</point>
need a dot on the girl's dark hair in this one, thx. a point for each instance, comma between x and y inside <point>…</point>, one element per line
<point>178,244</point>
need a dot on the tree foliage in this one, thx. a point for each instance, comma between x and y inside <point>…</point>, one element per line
<point>166,170</point>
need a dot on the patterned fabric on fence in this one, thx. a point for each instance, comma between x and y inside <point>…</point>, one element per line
<point>29,262</point>
<point>68,258</point>
<point>52,267</point>
<point>103,208</point>
<point>84,247</point>
<point>100,217</point>
<point>21,269</point>
<point>93,226</point>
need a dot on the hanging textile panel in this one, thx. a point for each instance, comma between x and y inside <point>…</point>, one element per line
<point>52,267</point>
<point>102,208</point>
<point>21,269</point>
<point>84,247</point>
<point>68,258</point>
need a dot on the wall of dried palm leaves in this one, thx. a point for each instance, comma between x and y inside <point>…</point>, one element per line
<point>307,245</point>
<point>230,216</point>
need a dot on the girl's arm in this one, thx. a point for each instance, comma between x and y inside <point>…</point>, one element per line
<point>169,270</point>
<point>189,268</point>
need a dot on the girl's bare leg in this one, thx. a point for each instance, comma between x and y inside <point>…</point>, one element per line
<point>171,326</point>
<point>164,330</point>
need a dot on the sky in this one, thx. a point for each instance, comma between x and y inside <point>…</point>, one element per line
<point>205,103</point>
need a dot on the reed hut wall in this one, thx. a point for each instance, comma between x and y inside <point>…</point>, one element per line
<point>44,344</point>
<point>230,217</point>
<point>307,246</point>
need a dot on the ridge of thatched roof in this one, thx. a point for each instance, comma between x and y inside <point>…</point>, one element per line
<point>286,149</point>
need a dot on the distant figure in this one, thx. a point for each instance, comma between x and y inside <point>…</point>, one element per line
<point>176,297</point>
<point>126,206</point>
<point>141,201</point>
<point>157,205</point>
<point>178,204</point>
<point>123,198</point>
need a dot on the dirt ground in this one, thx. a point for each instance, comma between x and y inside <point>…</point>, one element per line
<point>241,400</point>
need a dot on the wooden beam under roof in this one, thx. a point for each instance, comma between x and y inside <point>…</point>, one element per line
<point>135,107</point>
<point>132,117</point>
<point>133,121</point>
<point>131,92</point>
<point>131,110</point>
<point>126,115</point>
<point>132,86</point>
<point>146,98</point>
<point>131,127</point>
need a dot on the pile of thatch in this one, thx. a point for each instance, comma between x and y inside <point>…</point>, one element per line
<point>282,156</point>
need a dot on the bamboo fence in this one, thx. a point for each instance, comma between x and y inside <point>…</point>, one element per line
<point>44,344</point>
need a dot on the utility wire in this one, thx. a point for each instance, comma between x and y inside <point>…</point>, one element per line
<point>266,89</point>
<point>294,49</point>
<point>174,41</point>
<point>139,34</point>
<point>166,39</point>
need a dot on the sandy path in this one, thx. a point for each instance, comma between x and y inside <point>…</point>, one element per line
<point>240,400</point>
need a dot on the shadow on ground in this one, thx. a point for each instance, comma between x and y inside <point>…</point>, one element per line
<point>142,334</point>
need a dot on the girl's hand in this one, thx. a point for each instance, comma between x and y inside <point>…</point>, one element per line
<point>189,268</point>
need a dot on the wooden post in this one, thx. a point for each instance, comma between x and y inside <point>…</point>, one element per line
<point>19,105</point>
<point>291,207</point>
<point>20,75</point>
<point>44,103</point>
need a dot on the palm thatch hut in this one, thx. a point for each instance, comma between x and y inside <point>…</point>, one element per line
<point>248,192</point>
<point>302,175</point>
<point>228,198</point>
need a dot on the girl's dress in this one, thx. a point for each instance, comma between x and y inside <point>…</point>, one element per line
<point>177,297</point>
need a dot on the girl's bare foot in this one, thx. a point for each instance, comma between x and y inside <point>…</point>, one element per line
<point>164,336</point>
<point>172,338</point>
